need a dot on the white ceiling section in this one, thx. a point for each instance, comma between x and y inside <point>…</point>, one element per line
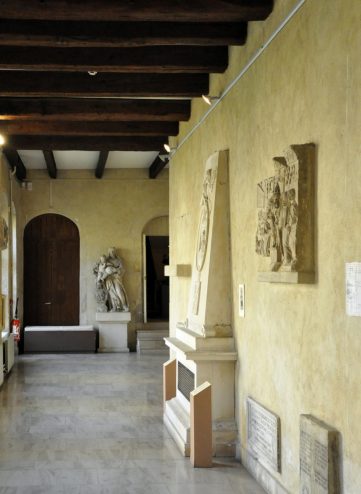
<point>87,160</point>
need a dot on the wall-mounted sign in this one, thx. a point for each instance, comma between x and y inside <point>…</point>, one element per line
<point>353,288</point>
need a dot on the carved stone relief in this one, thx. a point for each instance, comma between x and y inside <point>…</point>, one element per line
<point>4,234</point>
<point>285,203</point>
<point>203,229</point>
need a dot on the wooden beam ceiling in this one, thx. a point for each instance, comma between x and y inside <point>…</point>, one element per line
<point>157,166</point>
<point>137,10</point>
<point>102,160</point>
<point>50,163</point>
<point>15,162</point>
<point>110,85</point>
<point>87,143</point>
<point>148,59</point>
<point>100,128</point>
<point>69,34</point>
<point>92,109</point>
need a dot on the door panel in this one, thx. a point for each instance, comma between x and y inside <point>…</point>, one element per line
<point>51,271</point>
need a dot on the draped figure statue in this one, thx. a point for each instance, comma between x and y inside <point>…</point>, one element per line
<point>110,291</point>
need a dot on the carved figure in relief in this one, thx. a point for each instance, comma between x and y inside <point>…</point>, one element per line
<point>110,291</point>
<point>277,220</point>
<point>292,226</point>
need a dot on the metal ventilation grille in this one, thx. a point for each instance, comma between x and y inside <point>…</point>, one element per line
<point>185,381</point>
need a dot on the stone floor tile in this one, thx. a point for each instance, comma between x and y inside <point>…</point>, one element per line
<point>92,424</point>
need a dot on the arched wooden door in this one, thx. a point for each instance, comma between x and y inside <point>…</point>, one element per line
<point>51,271</point>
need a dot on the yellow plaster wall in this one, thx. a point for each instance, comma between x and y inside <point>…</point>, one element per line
<point>298,351</point>
<point>108,212</point>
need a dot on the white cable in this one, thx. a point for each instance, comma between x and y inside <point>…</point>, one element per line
<point>245,69</point>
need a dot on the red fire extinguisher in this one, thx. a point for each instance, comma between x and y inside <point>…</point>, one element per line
<point>15,323</point>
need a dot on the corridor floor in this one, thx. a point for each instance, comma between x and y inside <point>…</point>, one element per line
<point>92,424</point>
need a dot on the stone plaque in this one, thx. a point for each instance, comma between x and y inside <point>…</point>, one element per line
<point>319,471</point>
<point>263,432</point>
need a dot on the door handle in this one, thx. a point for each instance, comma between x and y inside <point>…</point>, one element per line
<point>47,303</point>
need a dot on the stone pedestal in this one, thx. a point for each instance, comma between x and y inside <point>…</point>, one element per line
<point>113,331</point>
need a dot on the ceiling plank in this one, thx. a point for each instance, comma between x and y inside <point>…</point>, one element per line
<point>50,163</point>
<point>147,59</point>
<point>100,128</point>
<point>157,166</point>
<point>119,34</point>
<point>102,161</point>
<point>137,10</point>
<point>15,162</point>
<point>64,84</point>
<point>88,109</point>
<point>86,143</point>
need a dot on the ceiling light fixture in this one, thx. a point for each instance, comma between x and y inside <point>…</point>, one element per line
<point>169,149</point>
<point>210,99</point>
<point>92,72</point>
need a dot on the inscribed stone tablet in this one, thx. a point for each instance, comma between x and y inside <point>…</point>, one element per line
<point>263,432</point>
<point>318,457</point>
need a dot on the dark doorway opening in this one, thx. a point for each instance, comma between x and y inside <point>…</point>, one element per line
<point>157,285</point>
<point>51,271</point>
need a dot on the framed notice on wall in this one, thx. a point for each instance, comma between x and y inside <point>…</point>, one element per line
<point>353,289</point>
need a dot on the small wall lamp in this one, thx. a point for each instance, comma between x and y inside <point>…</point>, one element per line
<point>168,148</point>
<point>209,99</point>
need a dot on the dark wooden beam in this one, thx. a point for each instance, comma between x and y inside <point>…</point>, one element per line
<point>22,83</point>
<point>15,163</point>
<point>119,34</point>
<point>103,156</point>
<point>145,59</point>
<point>88,109</point>
<point>50,163</point>
<point>90,143</point>
<point>100,128</point>
<point>157,166</point>
<point>137,10</point>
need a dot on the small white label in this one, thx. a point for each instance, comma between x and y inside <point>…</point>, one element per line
<point>353,288</point>
<point>241,301</point>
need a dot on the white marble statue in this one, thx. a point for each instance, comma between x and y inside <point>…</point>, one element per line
<point>110,291</point>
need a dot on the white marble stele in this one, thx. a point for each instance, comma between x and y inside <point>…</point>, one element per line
<point>204,343</point>
<point>113,331</point>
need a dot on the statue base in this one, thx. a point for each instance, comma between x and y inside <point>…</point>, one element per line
<point>113,331</point>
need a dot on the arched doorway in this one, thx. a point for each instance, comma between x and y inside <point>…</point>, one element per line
<point>51,271</point>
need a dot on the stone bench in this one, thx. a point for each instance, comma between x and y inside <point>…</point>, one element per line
<point>60,339</point>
